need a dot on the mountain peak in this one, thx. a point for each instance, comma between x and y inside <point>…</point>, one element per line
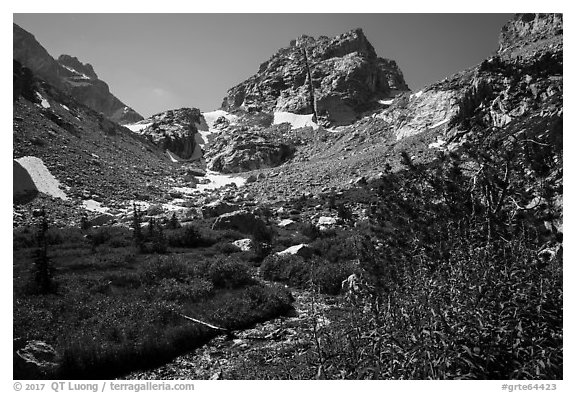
<point>71,76</point>
<point>344,73</point>
<point>76,65</point>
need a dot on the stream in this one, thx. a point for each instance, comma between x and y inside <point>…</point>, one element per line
<point>265,351</point>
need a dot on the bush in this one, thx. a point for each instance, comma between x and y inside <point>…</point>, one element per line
<point>166,268</point>
<point>329,276</point>
<point>193,290</point>
<point>229,273</point>
<point>227,248</point>
<point>291,269</point>
<point>298,272</point>
<point>337,248</point>
<point>188,236</point>
<point>310,230</point>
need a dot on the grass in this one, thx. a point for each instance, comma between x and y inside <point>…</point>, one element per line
<point>117,310</point>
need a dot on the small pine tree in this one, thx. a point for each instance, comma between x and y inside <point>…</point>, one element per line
<point>43,271</point>
<point>137,236</point>
<point>173,223</point>
<point>152,229</point>
<point>159,241</point>
<point>84,223</point>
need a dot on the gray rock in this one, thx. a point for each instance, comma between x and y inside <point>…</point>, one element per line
<point>241,221</point>
<point>217,208</point>
<point>302,250</point>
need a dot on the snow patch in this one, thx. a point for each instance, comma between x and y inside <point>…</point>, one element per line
<point>386,102</point>
<point>440,123</point>
<point>296,121</point>
<point>94,206</point>
<point>44,181</point>
<point>65,107</point>
<point>44,102</point>
<point>172,156</point>
<point>211,117</point>
<point>439,144</point>
<point>417,95</point>
<point>81,75</point>
<point>218,180</point>
<point>137,127</point>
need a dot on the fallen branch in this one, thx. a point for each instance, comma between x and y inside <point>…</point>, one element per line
<point>204,323</point>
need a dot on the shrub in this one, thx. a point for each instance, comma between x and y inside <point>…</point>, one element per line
<point>310,230</point>
<point>229,273</point>
<point>192,290</point>
<point>329,276</point>
<point>291,269</point>
<point>227,248</point>
<point>165,268</point>
<point>188,236</point>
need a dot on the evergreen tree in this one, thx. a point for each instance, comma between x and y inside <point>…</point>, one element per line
<point>43,270</point>
<point>137,236</point>
<point>173,223</point>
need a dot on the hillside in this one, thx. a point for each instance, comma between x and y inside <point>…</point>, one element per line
<point>70,75</point>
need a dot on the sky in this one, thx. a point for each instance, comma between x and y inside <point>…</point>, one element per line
<point>155,62</point>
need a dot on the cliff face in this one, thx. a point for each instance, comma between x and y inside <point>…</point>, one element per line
<point>526,29</point>
<point>72,76</point>
<point>344,73</point>
<point>174,130</point>
<point>526,68</point>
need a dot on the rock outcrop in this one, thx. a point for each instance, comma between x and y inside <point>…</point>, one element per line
<point>175,131</point>
<point>241,221</point>
<point>347,78</point>
<point>241,150</point>
<point>530,47</point>
<point>71,76</point>
<point>525,29</point>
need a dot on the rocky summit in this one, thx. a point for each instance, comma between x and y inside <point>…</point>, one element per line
<point>335,78</point>
<point>175,131</point>
<point>71,76</point>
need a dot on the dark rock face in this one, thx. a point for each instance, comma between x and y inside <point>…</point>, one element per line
<point>347,77</point>
<point>72,76</point>
<point>23,188</point>
<point>175,130</point>
<point>241,221</point>
<point>527,28</point>
<point>247,150</point>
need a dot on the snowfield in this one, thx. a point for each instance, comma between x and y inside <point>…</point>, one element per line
<point>93,206</point>
<point>211,117</point>
<point>44,181</point>
<point>137,127</point>
<point>296,121</point>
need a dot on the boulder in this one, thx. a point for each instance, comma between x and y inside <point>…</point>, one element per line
<point>327,221</point>
<point>286,223</point>
<point>217,208</point>
<point>241,221</point>
<point>37,358</point>
<point>234,152</point>
<point>244,244</point>
<point>100,220</point>
<point>302,250</point>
